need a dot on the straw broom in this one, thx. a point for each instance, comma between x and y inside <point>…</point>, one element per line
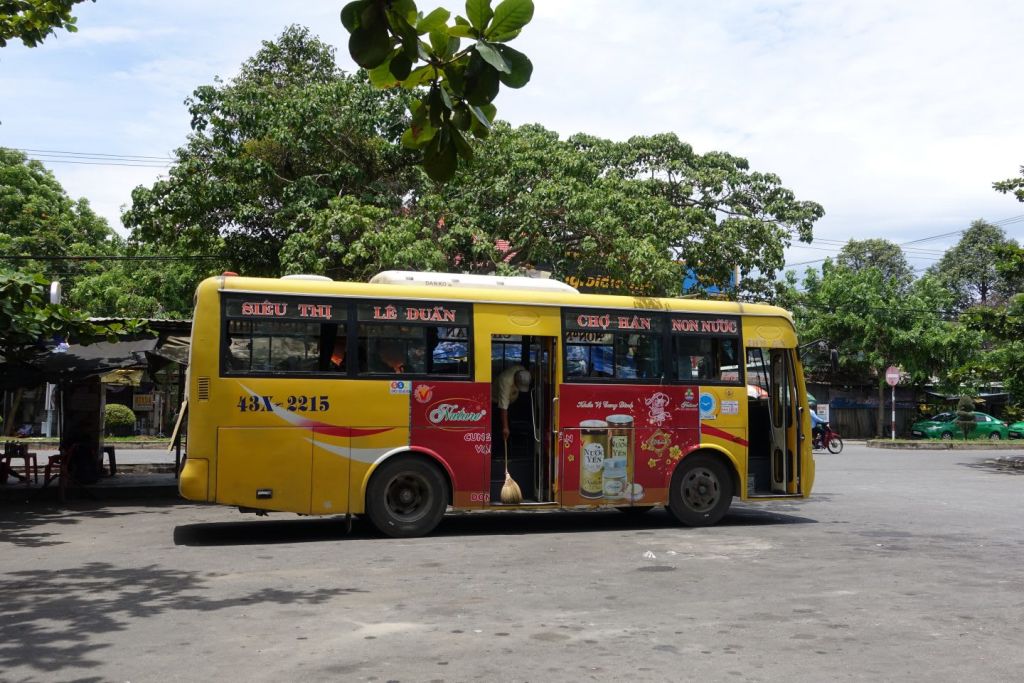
<point>510,493</point>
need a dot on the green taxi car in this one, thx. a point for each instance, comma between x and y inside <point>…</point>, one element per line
<point>1017,430</point>
<point>943,426</point>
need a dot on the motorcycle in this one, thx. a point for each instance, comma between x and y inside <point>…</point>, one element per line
<point>826,438</point>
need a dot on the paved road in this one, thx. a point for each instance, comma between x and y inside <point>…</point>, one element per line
<point>136,456</point>
<point>904,566</point>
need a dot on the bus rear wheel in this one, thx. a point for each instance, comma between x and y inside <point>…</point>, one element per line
<point>701,490</point>
<point>406,497</point>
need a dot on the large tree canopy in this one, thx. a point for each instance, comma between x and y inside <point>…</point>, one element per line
<point>39,221</point>
<point>270,150</point>
<point>295,166</point>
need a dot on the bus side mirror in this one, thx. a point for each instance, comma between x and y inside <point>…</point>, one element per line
<point>833,357</point>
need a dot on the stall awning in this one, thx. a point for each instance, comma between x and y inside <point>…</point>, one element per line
<point>77,362</point>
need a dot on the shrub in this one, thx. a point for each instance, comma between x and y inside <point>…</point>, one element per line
<point>118,419</point>
<point>965,415</point>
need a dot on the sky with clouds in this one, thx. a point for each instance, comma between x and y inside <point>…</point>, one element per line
<point>895,116</point>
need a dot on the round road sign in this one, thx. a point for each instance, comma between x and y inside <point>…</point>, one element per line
<point>892,375</point>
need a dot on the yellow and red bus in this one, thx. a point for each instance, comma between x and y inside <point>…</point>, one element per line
<point>374,399</point>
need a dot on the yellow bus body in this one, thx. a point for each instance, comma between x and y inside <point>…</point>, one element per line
<point>311,444</point>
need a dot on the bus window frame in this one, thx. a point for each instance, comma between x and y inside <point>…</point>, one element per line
<point>741,349</point>
<point>469,376</point>
<point>342,323</point>
<point>350,324</point>
<point>567,311</point>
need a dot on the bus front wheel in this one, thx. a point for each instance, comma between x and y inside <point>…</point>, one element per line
<point>701,490</point>
<point>406,497</point>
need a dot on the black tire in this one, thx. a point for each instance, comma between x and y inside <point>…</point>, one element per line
<point>701,490</point>
<point>835,445</point>
<point>947,436</point>
<point>994,436</point>
<point>406,497</point>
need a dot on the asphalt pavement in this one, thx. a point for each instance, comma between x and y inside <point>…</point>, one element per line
<point>904,566</point>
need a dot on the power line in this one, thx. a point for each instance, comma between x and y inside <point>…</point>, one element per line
<point>918,253</point>
<point>92,154</point>
<point>103,163</point>
<point>96,158</point>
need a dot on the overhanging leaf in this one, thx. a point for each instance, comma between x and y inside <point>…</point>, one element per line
<point>433,21</point>
<point>369,46</point>
<point>381,76</point>
<point>440,158</point>
<point>351,12</point>
<point>479,13</point>
<point>492,57</point>
<point>520,67</point>
<point>510,16</point>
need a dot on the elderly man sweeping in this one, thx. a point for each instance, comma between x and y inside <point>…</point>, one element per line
<point>512,381</point>
<point>507,387</point>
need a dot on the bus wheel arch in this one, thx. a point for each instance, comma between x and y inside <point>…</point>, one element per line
<point>702,487</point>
<point>407,494</point>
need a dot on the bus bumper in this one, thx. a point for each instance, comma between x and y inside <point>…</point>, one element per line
<point>194,483</point>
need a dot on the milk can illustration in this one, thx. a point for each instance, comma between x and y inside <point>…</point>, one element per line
<point>619,464</point>
<point>593,451</point>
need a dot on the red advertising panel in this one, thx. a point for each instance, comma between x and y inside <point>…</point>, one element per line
<point>453,421</point>
<point>621,442</point>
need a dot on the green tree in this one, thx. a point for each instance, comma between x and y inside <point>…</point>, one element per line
<point>554,204</point>
<point>310,177</point>
<point>269,152</point>
<point>878,253</point>
<point>874,324</point>
<point>969,267</point>
<point>43,230</point>
<point>148,283</point>
<point>390,38</point>
<point>998,356</point>
<point>572,207</point>
<point>28,321</point>
<point>32,21</point>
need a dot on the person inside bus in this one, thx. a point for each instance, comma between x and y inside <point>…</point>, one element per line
<point>391,355</point>
<point>512,381</point>
<point>338,354</point>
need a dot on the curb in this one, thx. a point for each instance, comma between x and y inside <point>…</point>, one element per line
<point>156,483</point>
<point>936,445</point>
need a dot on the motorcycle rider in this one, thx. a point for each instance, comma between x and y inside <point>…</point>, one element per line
<point>817,429</point>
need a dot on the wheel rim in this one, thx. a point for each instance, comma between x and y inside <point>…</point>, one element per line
<point>701,489</point>
<point>994,436</point>
<point>409,497</point>
<point>946,436</point>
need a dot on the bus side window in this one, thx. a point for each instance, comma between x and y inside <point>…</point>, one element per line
<point>695,358</point>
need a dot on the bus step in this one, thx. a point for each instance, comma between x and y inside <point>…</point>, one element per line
<point>524,504</point>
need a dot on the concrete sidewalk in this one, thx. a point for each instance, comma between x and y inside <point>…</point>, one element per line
<point>141,474</point>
